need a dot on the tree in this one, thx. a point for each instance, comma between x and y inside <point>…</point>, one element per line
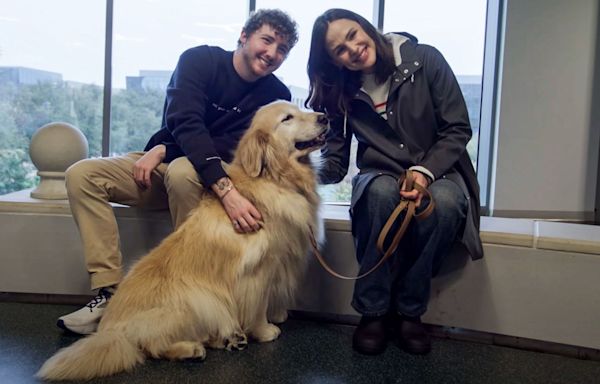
<point>26,108</point>
<point>135,116</point>
<point>16,170</point>
<point>85,104</point>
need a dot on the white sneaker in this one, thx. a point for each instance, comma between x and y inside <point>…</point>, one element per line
<point>85,320</point>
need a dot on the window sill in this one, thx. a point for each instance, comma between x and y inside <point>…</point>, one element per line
<point>530,233</point>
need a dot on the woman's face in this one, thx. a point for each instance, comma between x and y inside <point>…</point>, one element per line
<point>349,46</point>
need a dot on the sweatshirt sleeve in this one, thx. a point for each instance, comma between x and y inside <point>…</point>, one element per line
<point>185,111</point>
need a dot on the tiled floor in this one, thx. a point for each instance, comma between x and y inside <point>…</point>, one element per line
<point>307,352</point>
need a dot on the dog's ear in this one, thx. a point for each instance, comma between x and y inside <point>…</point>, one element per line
<point>252,152</point>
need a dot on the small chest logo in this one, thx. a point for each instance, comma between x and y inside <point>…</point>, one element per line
<point>223,109</point>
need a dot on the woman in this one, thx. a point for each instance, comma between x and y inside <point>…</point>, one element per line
<point>403,104</point>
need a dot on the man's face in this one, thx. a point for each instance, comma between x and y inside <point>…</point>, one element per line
<point>262,52</point>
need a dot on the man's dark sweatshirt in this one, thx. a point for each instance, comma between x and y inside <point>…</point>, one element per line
<point>207,109</point>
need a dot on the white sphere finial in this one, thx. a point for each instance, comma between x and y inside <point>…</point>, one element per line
<point>54,148</point>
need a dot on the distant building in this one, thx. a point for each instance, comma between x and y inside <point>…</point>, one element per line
<point>148,80</point>
<point>27,76</point>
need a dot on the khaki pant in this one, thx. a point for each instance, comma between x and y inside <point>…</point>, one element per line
<point>93,183</point>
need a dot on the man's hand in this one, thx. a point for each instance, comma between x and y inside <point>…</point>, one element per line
<point>415,195</point>
<point>243,214</point>
<point>142,169</point>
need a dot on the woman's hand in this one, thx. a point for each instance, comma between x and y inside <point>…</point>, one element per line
<point>143,167</point>
<point>415,194</point>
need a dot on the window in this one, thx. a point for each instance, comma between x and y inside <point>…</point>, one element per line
<point>55,72</point>
<point>51,69</point>
<point>148,37</point>
<point>457,30</point>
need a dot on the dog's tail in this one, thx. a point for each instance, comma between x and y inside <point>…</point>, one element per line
<point>101,354</point>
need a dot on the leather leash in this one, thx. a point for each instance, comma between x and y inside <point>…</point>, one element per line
<point>405,205</point>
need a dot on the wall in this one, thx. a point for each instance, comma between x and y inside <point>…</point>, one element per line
<point>532,283</point>
<point>595,120</point>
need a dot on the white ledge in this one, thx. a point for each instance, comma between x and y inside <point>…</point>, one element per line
<point>531,233</point>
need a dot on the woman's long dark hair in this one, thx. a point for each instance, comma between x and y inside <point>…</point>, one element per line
<point>331,87</point>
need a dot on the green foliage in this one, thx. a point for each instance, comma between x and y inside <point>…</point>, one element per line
<point>336,193</point>
<point>26,108</point>
<point>135,116</point>
<point>39,104</point>
<point>29,107</point>
<point>342,192</point>
<point>16,170</point>
<point>86,113</point>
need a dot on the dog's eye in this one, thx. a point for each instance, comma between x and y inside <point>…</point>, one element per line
<point>288,117</point>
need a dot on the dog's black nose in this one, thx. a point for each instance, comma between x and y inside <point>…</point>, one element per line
<point>323,120</point>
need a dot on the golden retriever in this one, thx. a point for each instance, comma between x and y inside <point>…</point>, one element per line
<point>205,284</point>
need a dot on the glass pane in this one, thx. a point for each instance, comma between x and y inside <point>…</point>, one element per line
<point>455,28</point>
<point>148,38</point>
<point>293,70</point>
<point>51,69</point>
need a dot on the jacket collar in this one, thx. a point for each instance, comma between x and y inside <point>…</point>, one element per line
<point>409,62</point>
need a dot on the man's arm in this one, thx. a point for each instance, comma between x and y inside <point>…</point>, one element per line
<point>143,167</point>
<point>185,110</point>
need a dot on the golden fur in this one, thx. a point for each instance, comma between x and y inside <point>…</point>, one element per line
<point>205,284</point>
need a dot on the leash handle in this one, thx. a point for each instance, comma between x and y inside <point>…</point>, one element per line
<point>410,213</point>
<point>408,205</point>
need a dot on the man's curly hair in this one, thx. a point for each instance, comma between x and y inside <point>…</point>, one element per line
<point>277,19</point>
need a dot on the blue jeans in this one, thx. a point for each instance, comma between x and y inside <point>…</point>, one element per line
<point>402,284</point>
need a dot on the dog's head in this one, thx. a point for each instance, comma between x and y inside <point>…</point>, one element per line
<point>280,132</point>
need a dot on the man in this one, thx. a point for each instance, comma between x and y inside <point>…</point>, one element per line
<point>210,101</point>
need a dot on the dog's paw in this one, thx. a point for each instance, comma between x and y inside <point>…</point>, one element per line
<point>199,352</point>
<point>238,342</point>
<point>266,332</point>
<point>185,350</point>
<point>278,317</point>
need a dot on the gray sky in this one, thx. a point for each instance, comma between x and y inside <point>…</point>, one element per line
<point>67,36</point>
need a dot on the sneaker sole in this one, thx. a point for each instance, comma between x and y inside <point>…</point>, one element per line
<point>61,324</point>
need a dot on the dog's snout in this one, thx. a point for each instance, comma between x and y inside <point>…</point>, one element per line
<point>323,120</point>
